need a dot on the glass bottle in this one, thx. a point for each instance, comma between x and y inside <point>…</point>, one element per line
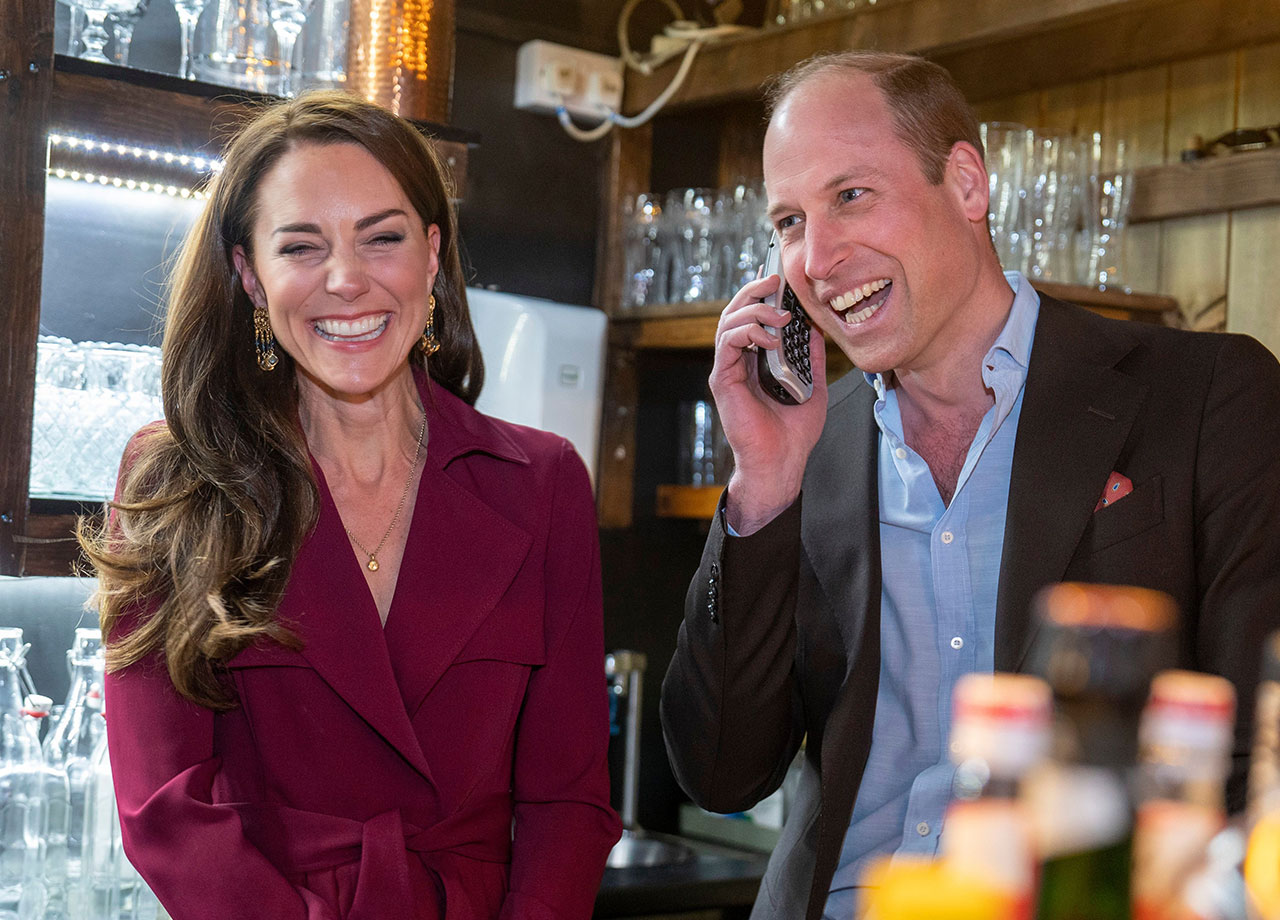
<point>1098,646</point>
<point>1262,855</point>
<point>75,736</point>
<point>53,826</point>
<point>999,731</point>
<point>1184,758</point>
<point>21,800</point>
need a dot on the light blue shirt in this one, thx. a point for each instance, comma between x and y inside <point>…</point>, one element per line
<point>940,570</point>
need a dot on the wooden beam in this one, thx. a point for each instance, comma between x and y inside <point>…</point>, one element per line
<point>736,68</point>
<point>26,84</point>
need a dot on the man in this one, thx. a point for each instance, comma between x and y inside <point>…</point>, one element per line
<point>960,468</point>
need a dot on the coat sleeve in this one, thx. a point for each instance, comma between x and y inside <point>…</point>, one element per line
<point>564,825</point>
<point>731,707</point>
<point>1237,528</point>
<point>191,852</point>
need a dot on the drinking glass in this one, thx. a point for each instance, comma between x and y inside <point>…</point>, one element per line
<point>188,16</point>
<point>123,25</point>
<point>642,252</point>
<point>1110,186</point>
<point>236,46</point>
<point>1008,148</point>
<point>750,229</point>
<point>698,278</point>
<point>1053,200</point>
<point>95,35</point>
<point>287,18</point>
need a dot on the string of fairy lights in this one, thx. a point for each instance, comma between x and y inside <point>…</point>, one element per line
<point>108,164</point>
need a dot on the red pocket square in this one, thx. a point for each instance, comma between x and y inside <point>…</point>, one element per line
<point>1117,487</point>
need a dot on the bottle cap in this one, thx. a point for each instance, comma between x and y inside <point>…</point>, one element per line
<point>1002,720</point>
<point>37,706</point>
<point>1191,712</point>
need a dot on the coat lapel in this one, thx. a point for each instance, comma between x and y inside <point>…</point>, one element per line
<point>330,606</point>
<point>1076,414</point>
<point>464,557</point>
<point>840,529</point>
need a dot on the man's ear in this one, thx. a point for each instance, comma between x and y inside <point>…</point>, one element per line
<point>967,176</point>
<point>248,279</point>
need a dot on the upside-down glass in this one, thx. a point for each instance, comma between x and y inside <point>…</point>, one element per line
<point>1054,193</point>
<point>122,26</point>
<point>642,252</point>
<point>235,46</point>
<point>95,35</point>
<point>188,17</point>
<point>1110,186</point>
<point>287,18</point>
<point>1008,148</point>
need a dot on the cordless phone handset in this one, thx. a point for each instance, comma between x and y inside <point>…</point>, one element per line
<point>785,372</point>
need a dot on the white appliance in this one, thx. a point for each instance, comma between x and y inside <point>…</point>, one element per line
<point>543,365</point>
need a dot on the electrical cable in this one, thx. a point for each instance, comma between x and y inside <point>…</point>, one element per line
<point>680,29</point>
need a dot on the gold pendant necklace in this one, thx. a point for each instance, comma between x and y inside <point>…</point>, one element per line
<point>372,564</point>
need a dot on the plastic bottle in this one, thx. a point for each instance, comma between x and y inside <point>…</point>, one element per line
<point>1000,730</point>
<point>1098,646</point>
<point>1184,759</point>
<point>21,798</point>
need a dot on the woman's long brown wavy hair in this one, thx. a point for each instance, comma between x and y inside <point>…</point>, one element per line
<point>213,506</point>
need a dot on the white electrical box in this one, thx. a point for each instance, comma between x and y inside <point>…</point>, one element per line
<point>587,84</point>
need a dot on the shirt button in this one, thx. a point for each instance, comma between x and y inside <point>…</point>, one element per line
<point>957,643</point>
<point>923,828</point>
<point>947,537</point>
<point>900,454</point>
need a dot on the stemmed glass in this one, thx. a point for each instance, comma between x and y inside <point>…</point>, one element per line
<point>123,24</point>
<point>287,18</point>
<point>188,16</point>
<point>95,34</point>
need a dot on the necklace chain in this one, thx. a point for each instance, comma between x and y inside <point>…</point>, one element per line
<point>372,564</point>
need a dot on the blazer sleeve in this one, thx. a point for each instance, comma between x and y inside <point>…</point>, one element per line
<point>1237,527</point>
<point>564,825</point>
<point>731,706</point>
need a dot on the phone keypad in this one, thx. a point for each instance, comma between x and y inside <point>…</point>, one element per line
<point>795,338</point>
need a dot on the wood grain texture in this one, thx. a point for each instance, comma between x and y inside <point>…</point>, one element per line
<point>1254,306</point>
<point>26,64</point>
<point>1135,110</point>
<point>1194,250</point>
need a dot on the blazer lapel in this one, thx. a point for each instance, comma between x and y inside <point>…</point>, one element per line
<point>840,528</point>
<point>461,557</point>
<point>330,606</point>
<point>1076,414</point>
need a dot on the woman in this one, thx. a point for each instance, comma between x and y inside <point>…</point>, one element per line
<point>355,648</point>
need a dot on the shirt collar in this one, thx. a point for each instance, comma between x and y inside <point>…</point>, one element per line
<point>1012,345</point>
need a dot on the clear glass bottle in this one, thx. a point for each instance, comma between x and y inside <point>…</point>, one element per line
<point>75,737</point>
<point>1000,729</point>
<point>53,826</point>
<point>21,799</point>
<point>1098,646</point>
<point>1183,761</point>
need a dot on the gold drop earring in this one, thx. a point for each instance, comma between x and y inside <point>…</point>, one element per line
<point>429,343</point>
<point>264,340</point>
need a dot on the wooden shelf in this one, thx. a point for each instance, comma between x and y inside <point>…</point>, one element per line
<point>697,502</point>
<point>1209,186</point>
<point>693,325</point>
<point>994,48</point>
<point>160,110</point>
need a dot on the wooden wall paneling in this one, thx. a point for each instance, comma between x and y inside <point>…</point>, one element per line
<point>1135,109</point>
<point>1194,250</point>
<point>1075,109</point>
<point>627,171</point>
<point>1254,305</point>
<point>1023,108</point>
<point>742,143</point>
<point>26,86</point>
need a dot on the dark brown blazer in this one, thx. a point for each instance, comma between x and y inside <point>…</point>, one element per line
<point>781,636</point>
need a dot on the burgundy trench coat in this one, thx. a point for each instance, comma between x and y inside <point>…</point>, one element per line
<point>452,764</point>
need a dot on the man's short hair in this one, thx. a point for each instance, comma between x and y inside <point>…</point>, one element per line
<point>930,114</point>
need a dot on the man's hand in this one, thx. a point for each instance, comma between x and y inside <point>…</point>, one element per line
<point>771,442</point>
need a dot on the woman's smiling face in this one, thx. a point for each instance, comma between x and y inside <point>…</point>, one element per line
<point>343,264</point>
